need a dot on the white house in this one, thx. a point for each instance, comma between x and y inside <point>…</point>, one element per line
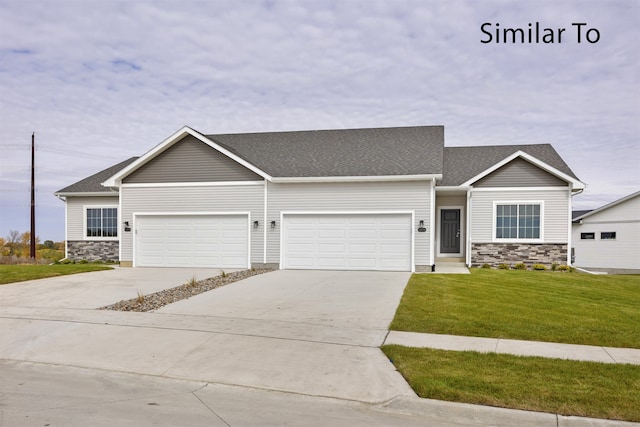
<point>608,238</point>
<point>362,199</point>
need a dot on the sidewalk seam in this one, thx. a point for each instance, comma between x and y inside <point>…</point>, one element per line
<point>609,354</point>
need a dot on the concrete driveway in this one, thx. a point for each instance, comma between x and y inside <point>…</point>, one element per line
<point>98,288</point>
<point>313,333</point>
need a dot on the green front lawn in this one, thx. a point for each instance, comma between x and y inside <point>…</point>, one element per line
<point>565,387</point>
<point>20,273</point>
<point>529,305</point>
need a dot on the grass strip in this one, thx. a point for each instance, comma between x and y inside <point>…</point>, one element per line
<point>565,387</point>
<point>20,273</point>
<point>528,305</point>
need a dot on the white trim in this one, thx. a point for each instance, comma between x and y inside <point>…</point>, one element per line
<point>192,184</point>
<point>350,212</point>
<point>100,238</point>
<point>89,194</point>
<point>569,226</point>
<point>468,236</point>
<point>494,239</point>
<point>453,188</point>
<point>432,222</point>
<point>438,231</point>
<point>367,178</point>
<point>135,216</point>
<point>120,230</point>
<point>116,180</point>
<point>66,229</point>
<point>575,184</point>
<point>613,221</point>
<point>518,189</point>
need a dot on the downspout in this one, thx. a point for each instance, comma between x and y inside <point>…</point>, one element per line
<point>264,221</point>
<point>468,236</point>
<point>432,226</point>
<point>570,232</point>
<point>66,240</point>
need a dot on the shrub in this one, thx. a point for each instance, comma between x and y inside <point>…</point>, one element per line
<point>554,266</point>
<point>539,267</point>
<point>485,265</point>
<point>520,266</point>
<point>83,261</point>
<point>503,266</point>
<point>564,268</point>
<point>192,282</point>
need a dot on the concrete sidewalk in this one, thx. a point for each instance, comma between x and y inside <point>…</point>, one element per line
<point>516,347</point>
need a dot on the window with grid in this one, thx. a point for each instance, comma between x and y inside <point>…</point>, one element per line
<point>518,221</point>
<point>102,222</point>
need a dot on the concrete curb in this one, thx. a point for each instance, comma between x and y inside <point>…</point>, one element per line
<point>469,414</point>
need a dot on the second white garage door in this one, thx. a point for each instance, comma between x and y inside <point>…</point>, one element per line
<point>217,241</point>
<point>347,242</point>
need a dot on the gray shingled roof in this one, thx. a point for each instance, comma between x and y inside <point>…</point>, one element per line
<point>415,150</point>
<point>463,163</point>
<point>576,214</point>
<point>92,184</point>
<point>349,152</point>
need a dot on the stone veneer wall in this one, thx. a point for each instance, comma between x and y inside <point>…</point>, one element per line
<point>495,254</point>
<point>93,250</point>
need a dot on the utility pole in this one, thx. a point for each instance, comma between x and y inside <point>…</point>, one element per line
<point>32,251</point>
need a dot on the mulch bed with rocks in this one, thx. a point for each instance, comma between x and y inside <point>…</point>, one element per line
<point>159,299</point>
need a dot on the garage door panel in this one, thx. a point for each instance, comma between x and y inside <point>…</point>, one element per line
<point>363,233</point>
<point>192,241</point>
<point>330,233</point>
<point>347,241</point>
<point>362,249</point>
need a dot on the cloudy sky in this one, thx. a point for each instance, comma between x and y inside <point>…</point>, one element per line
<point>100,81</point>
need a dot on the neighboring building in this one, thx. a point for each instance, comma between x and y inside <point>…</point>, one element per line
<point>608,238</point>
<point>361,199</point>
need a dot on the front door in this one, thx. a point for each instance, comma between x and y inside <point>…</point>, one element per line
<point>450,231</point>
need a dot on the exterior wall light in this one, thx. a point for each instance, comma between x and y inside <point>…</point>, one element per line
<point>421,228</point>
<point>255,224</point>
<point>273,224</point>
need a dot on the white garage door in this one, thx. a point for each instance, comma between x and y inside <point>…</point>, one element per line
<point>219,241</point>
<point>347,242</point>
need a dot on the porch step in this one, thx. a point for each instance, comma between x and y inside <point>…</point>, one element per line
<point>448,264</point>
<point>449,260</point>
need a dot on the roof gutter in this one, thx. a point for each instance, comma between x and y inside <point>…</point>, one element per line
<point>367,178</point>
<point>87,193</point>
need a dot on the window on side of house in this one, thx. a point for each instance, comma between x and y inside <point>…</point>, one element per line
<point>518,221</point>
<point>608,235</point>
<point>587,236</point>
<point>102,222</point>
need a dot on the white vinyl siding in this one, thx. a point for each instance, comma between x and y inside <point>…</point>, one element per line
<point>555,203</point>
<point>193,199</point>
<point>623,252</point>
<point>409,196</point>
<point>76,214</point>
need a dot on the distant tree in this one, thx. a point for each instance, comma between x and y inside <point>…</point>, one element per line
<point>49,244</point>
<point>13,236</point>
<point>25,244</point>
<point>4,249</point>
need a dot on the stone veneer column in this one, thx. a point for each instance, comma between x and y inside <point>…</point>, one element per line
<point>495,254</point>
<point>93,250</point>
